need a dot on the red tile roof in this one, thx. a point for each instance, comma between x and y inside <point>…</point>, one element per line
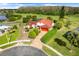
<point>46,22</point>
<point>32,23</point>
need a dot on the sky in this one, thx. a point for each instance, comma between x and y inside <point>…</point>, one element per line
<point>17,5</point>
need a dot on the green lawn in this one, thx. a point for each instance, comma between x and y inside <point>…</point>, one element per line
<point>14,36</point>
<point>50,40</point>
<point>3,39</point>
<point>6,46</point>
<point>62,49</point>
<point>39,15</point>
<point>49,35</point>
<point>49,52</point>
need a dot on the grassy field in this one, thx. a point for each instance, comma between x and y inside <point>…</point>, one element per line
<point>14,36</point>
<point>49,38</point>
<point>62,49</point>
<point>6,46</point>
<point>59,34</point>
<point>49,35</point>
<point>49,52</point>
<point>39,15</point>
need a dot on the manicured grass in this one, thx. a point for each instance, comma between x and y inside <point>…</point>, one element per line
<point>3,39</point>
<point>39,15</point>
<point>59,34</point>
<point>49,52</point>
<point>27,43</point>
<point>13,37</point>
<point>49,35</point>
<point>63,50</point>
<point>6,46</point>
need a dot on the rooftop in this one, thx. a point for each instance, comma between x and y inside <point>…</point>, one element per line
<point>2,17</point>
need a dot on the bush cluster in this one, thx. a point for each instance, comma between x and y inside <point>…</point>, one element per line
<point>33,33</point>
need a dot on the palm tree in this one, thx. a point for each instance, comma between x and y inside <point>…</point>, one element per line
<point>62,12</point>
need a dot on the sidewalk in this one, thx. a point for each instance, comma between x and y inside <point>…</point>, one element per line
<point>53,49</point>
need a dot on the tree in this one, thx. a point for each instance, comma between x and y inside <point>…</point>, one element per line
<point>36,31</point>
<point>9,13</point>
<point>28,16</point>
<point>60,42</point>
<point>62,12</point>
<point>15,27</point>
<point>58,25</point>
<point>12,19</point>
<point>34,18</point>
<point>26,19</point>
<point>31,34</point>
<point>49,18</point>
<point>68,23</point>
<point>72,39</point>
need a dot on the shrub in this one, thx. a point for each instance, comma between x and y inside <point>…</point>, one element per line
<point>26,19</point>
<point>49,18</point>
<point>34,18</point>
<point>14,27</point>
<point>31,34</point>
<point>58,25</point>
<point>12,19</point>
<point>36,31</point>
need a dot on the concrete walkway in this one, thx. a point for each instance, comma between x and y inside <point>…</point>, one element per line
<point>36,42</point>
<point>19,43</point>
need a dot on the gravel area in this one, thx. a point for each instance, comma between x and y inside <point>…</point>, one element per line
<point>23,51</point>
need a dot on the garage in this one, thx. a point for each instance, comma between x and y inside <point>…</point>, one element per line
<point>44,29</point>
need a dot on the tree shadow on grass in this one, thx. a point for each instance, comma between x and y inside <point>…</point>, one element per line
<point>61,43</point>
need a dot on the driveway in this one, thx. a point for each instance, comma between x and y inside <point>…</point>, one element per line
<point>23,51</point>
<point>36,42</point>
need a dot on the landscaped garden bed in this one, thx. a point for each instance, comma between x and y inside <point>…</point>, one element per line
<point>33,33</point>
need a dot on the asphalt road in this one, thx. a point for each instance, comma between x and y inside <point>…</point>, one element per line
<point>23,51</point>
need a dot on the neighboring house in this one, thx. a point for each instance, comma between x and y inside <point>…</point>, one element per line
<point>3,18</point>
<point>2,31</point>
<point>4,27</point>
<point>32,24</point>
<point>43,24</point>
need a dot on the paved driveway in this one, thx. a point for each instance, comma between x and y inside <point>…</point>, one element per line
<point>23,51</point>
<point>36,42</point>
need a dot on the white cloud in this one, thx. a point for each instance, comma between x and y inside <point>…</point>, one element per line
<point>50,4</point>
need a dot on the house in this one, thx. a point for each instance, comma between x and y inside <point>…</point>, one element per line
<point>42,24</point>
<point>4,28</point>
<point>3,18</point>
<point>45,24</point>
<point>32,24</point>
